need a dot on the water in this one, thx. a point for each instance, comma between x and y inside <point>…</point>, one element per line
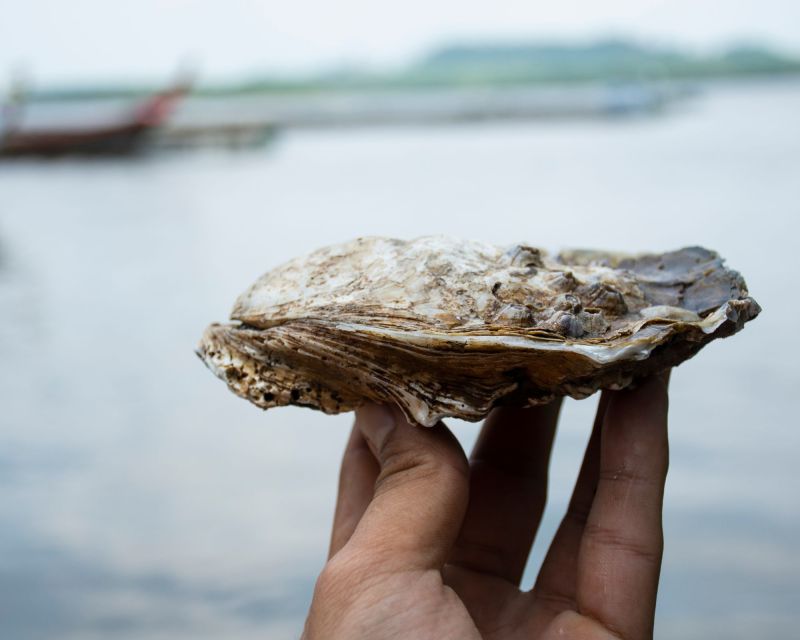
<point>139,499</point>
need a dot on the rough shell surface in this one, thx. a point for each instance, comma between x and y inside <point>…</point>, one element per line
<point>447,327</point>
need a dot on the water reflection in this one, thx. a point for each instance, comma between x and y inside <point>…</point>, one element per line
<point>47,592</point>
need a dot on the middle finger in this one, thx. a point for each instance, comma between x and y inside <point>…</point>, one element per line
<point>508,490</point>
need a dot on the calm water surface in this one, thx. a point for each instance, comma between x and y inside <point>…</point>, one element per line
<point>139,499</point>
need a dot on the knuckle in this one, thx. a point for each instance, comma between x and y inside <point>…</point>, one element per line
<point>329,581</point>
<point>578,511</point>
<point>554,600</point>
<point>400,466</point>
<point>473,552</point>
<point>649,550</point>
<point>336,577</point>
<point>626,475</point>
<point>345,581</point>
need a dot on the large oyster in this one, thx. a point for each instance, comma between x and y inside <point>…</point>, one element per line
<point>445,327</point>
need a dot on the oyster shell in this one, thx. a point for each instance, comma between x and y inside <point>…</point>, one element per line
<point>445,327</point>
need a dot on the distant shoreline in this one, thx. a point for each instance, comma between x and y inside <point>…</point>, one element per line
<point>488,66</point>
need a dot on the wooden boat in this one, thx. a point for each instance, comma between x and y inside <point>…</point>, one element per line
<point>124,138</point>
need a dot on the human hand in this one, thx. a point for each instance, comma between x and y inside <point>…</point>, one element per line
<point>428,545</point>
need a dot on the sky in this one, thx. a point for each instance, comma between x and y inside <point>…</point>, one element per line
<point>64,41</point>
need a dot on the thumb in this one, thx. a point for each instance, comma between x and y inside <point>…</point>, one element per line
<point>420,494</point>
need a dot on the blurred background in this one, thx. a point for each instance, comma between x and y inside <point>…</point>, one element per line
<point>157,156</point>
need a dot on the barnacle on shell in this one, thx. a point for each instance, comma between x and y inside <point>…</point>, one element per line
<point>446,327</point>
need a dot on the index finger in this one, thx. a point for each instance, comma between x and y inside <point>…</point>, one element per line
<point>620,555</point>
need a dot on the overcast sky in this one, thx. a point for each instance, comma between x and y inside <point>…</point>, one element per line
<point>96,40</point>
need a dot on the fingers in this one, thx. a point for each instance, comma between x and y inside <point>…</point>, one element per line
<point>420,493</point>
<point>356,485</point>
<point>620,555</point>
<point>556,585</point>
<point>508,490</point>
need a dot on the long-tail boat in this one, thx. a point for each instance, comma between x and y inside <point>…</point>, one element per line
<point>124,138</point>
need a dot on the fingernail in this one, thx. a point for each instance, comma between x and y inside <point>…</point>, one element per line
<point>376,422</point>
